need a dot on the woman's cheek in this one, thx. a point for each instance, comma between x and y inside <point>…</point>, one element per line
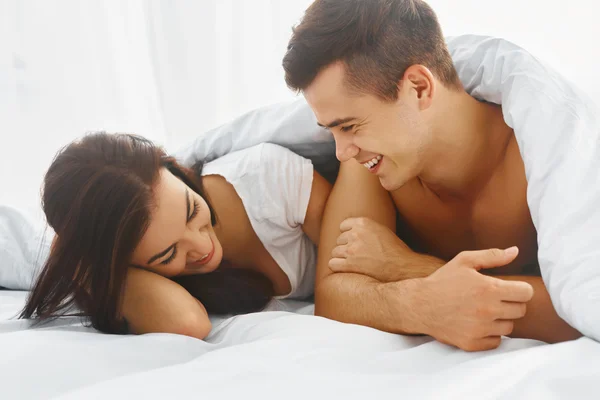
<point>175,268</point>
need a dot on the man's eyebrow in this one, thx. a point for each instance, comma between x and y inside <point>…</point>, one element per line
<point>166,251</point>
<point>336,122</point>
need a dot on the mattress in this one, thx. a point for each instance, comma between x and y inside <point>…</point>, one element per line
<point>282,353</point>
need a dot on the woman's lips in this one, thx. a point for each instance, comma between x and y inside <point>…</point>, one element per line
<point>203,261</point>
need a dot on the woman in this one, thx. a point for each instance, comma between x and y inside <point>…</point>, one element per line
<point>140,248</point>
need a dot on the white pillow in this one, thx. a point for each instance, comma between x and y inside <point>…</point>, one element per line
<point>557,130</point>
<point>24,246</point>
<point>290,124</point>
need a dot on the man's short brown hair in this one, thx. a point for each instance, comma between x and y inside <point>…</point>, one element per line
<point>377,40</point>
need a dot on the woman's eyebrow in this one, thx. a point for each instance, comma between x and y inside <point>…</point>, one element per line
<point>161,254</point>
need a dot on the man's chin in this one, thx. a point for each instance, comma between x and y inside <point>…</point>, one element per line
<point>389,184</point>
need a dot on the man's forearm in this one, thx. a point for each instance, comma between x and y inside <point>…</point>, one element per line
<point>362,300</point>
<point>541,322</point>
<point>410,266</point>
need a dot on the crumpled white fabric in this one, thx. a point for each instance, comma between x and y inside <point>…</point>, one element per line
<point>24,246</point>
<point>288,351</point>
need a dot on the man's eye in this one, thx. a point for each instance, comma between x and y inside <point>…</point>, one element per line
<point>347,128</point>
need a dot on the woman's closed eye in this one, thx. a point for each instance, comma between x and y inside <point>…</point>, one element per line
<point>171,257</point>
<point>195,210</point>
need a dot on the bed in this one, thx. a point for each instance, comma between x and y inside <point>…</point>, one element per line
<point>285,351</point>
<point>281,353</point>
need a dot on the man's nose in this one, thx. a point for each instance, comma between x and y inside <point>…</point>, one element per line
<point>345,149</point>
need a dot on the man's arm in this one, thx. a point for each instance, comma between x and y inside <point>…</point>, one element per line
<point>319,193</point>
<point>379,254</point>
<point>349,297</point>
<point>440,305</point>
<point>541,322</point>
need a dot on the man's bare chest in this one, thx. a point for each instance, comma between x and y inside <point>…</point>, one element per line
<point>500,218</point>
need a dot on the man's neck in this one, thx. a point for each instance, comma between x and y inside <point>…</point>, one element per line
<point>470,138</point>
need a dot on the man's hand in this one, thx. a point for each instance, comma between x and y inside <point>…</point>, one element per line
<point>467,309</point>
<point>369,248</point>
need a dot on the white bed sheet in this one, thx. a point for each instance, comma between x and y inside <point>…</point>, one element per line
<point>285,353</point>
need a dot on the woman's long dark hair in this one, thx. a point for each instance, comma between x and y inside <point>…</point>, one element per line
<point>97,197</point>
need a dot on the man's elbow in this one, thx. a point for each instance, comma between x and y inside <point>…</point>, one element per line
<point>323,292</point>
<point>319,309</point>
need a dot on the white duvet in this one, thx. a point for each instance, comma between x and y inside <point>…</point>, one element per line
<point>280,355</point>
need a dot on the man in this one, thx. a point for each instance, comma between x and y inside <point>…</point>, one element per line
<point>414,144</point>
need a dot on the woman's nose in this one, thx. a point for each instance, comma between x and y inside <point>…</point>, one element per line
<point>199,244</point>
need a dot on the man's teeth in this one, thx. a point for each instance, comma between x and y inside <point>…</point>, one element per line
<point>203,257</point>
<point>372,163</point>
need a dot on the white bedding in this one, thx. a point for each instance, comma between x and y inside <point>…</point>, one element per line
<point>279,355</point>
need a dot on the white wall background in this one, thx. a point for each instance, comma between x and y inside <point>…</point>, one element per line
<point>170,70</point>
<point>564,34</point>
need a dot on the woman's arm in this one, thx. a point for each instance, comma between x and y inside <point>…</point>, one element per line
<point>153,303</point>
<point>316,205</point>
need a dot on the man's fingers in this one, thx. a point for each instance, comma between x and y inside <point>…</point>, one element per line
<point>512,310</point>
<point>339,252</point>
<point>348,223</point>
<point>487,343</point>
<point>513,291</point>
<point>502,328</point>
<point>488,258</point>
<point>339,265</point>
<point>343,239</point>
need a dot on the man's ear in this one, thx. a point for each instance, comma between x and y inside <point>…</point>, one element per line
<point>419,85</point>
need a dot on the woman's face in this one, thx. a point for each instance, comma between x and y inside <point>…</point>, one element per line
<point>180,239</point>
